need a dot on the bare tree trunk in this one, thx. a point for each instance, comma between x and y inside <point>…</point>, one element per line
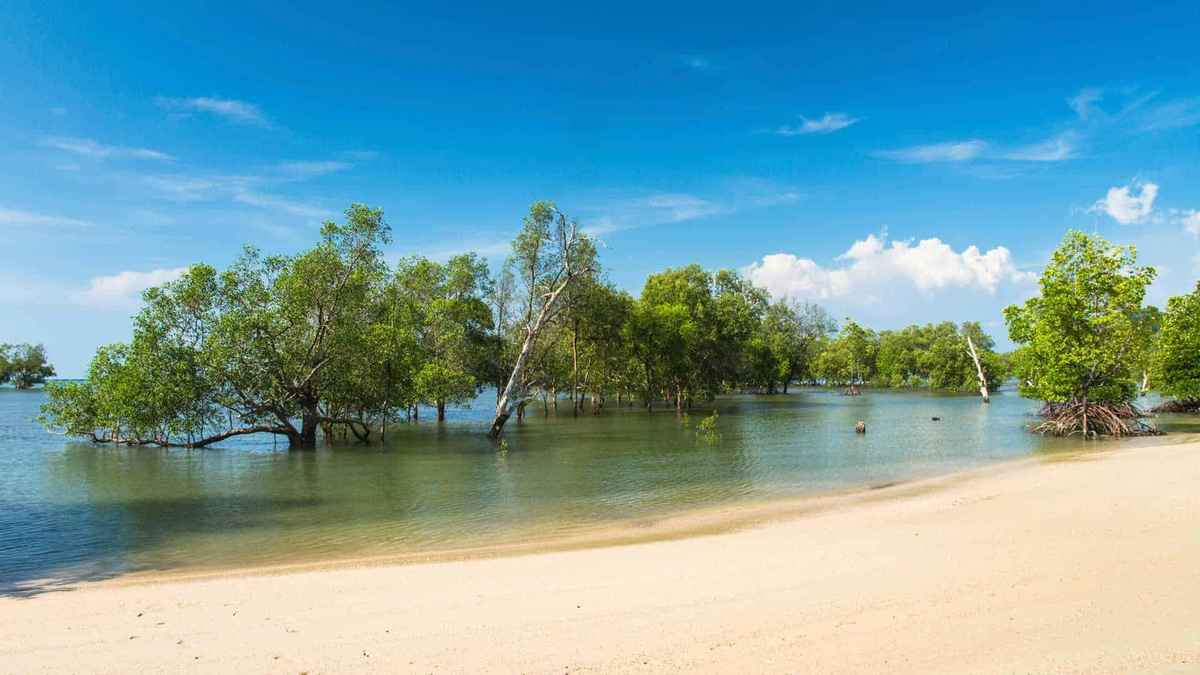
<point>1085,413</point>
<point>516,392</point>
<point>1145,382</point>
<point>983,385</point>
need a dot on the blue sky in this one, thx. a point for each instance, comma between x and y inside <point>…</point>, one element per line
<point>898,164</point>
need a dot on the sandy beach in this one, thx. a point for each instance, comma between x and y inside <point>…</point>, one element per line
<point>1083,564</point>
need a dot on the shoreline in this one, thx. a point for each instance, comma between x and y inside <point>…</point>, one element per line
<point>1083,562</point>
<point>674,525</point>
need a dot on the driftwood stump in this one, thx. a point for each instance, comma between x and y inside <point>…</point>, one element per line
<point>860,428</point>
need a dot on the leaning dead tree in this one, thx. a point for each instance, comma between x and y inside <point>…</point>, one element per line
<point>550,254</point>
<point>983,383</point>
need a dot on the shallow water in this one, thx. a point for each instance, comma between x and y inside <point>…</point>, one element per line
<point>73,510</point>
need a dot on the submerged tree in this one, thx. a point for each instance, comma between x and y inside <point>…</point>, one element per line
<point>1079,337</point>
<point>24,365</point>
<point>549,255</point>
<point>254,349</point>
<point>1175,366</point>
<point>452,323</point>
<point>850,358</point>
<point>792,329</point>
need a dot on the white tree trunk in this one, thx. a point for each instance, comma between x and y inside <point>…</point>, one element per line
<point>516,391</point>
<point>983,388</point>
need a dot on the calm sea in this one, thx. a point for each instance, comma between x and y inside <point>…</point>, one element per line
<point>72,510</point>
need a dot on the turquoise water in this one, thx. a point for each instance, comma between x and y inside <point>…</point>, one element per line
<point>73,510</point>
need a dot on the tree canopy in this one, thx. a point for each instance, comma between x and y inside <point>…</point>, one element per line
<point>24,365</point>
<point>335,341</point>
<point>1081,334</point>
<point>1175,364</point>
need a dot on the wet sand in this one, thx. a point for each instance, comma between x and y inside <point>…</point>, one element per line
<point>1089,563</point>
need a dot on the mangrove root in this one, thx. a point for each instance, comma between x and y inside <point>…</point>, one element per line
<point>1094,420</point>
<point>1179,405</point>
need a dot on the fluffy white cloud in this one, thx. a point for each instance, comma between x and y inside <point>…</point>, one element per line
<point>828,124</point>
<point>125,288</point>
<point>872,266</point>
<point>951,151</point>
<point>1126,207</point>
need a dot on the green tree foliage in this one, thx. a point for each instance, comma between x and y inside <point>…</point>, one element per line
<point>787,349</point>
<point>1082,331</point>
<point>1175,366</point>
<point>278,344</point>
<point>849,358</point>
<point>451,320</point>
<point>938,357</point>
<point>550,255</point>
<point>333,340</point>
<point>1149,324</point>
<point>24,365</point>
<point>1080,336</point>
<point>692,331</point>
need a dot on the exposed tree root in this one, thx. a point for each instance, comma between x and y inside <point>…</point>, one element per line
<point>1179,405</point>
<point>1094,420</point>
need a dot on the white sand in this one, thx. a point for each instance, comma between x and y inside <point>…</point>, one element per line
<point>1085,565</point>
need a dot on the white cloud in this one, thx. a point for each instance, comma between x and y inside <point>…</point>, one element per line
<point>1084,103</point>
<point>231,109</point>
<point>15,218</point>
<point>312,169</point>
<point>1056,149</point>
<point>241,189</point>
<point>787,274</point>
<point>951,151</point>
<point>124,288</point>
<point>245,195</point>
<point>89,148</point>
<point>1171,115</point>
<point>731,195</point>
<point>663,208</point>
<point>1190,220</point>
<point>183,188</point>
<point>679,207</point>
<point>1124,206</point>
<point>828,124</point>
<point>872,267</point>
